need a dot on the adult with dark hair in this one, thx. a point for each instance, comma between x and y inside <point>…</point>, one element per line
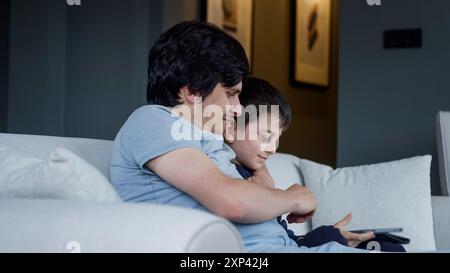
<point>195,66</point>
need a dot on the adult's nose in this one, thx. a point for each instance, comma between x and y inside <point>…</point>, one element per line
<point>237,107</point>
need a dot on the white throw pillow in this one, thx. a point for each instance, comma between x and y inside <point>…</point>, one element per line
<point>63,175</point>
<point>285,171</point>
<point>392,194</point>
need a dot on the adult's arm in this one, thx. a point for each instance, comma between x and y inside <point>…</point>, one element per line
<point>191,171</point>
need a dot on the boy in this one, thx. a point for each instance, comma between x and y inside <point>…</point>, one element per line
<point>251,154</point>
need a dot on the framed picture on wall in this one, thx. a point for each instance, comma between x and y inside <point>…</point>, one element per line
<point>310,47</point>
<point>236,18</point>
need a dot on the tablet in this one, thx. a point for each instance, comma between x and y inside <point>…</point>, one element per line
<point>378,230</point>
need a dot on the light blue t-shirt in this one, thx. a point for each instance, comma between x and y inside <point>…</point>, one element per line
<point>154,130</point>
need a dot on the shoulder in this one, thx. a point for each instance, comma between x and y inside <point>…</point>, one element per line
<point>147,122</point>
<point>151,118</point>
<point>154,112</point>
<point>151,131</point>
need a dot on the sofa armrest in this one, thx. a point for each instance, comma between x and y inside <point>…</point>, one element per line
<point>29,225</point>
<point>441,218</point>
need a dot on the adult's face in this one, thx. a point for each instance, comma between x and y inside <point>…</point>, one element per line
<point>226,101</point>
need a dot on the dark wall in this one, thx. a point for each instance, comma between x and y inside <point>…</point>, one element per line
<point>37,67</point>
<point>106,60</point>
<point>4,53</point>
<point>85,66</point>
<point>388,99</point>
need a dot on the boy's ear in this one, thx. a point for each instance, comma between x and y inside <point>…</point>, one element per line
<point>187,96</point>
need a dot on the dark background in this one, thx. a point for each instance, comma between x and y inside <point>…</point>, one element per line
<point>80,71</point>
<point>4,42</point>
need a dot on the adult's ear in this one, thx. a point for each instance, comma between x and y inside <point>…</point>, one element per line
<point>188,96</point>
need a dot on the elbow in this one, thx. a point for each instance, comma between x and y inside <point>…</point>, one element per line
<point>234,211</point>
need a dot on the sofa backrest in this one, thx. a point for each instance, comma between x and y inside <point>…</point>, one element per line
<point>443,142</point>
<point>96,152</point>
<point>283,167</point>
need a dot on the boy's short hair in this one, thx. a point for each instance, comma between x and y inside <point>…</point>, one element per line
<point>256,91</point>
<point>197,55</point>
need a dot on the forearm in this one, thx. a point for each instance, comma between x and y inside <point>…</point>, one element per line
<point>234,199</point>
<point>257,203</point>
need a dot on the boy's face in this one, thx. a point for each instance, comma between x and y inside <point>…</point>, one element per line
<point>251,152</point>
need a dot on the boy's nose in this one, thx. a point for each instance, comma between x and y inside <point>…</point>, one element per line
<point>271,148</point>
<point>268,149</point>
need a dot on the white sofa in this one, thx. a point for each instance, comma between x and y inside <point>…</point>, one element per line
<point>32,225</point>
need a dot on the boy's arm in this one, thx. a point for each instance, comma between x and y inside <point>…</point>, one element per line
<point>191,171</point>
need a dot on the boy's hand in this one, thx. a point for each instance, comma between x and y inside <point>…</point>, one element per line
<point>263,178</point>
<point>353,239</point>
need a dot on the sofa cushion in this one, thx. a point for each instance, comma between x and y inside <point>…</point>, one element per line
<point>37,225</point>
<point>63,175</point>
<point>95,151</point>
<point>392,194</point>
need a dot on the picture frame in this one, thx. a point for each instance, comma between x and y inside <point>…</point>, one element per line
<point>236,18</point>
<point>310,42</point>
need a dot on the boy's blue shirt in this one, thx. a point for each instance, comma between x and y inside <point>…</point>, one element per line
<point>244,171</point>
<point>147,134</point>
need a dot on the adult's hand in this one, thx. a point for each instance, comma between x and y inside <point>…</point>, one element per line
<point>299,219</point>
<point>306,205</point>
<point>263,178</point>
